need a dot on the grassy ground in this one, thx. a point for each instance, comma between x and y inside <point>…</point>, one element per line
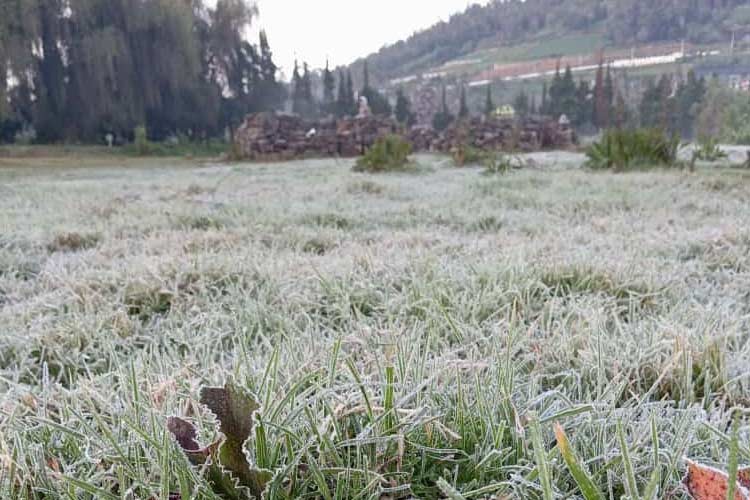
<point>405,335</point>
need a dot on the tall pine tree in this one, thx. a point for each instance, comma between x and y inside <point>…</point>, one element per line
<point>489,103</point>
<point>463,108</point>
<point>329,91</point>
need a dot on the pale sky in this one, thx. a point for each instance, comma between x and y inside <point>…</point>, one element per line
<point>344,30</point>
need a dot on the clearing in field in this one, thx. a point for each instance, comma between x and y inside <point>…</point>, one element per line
<point>411,335</point>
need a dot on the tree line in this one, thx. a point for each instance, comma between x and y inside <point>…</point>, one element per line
<point>339,98</point>
<point>80,69</point>
<point>670,103</point>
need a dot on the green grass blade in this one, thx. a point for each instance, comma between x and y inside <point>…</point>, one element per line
<point>540,455</point>
<point>631,485</point>
<point>589,489</point>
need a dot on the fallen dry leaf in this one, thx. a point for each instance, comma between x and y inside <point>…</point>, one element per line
<point>707,483</point>
<point>229,470</point>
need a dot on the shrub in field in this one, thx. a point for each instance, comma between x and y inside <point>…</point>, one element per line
<point>708,150</point>
<point>464,154</point>
<point>141,142</point>
<point>500,164</point>
<point>633,149</point>
<point>389,153</point>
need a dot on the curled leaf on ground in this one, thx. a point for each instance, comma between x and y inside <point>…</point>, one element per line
<point>707,483</point>
<point>186,436</point>
<point>229,469</point>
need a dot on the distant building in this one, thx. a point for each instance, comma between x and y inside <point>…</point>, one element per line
<point>505,111</point>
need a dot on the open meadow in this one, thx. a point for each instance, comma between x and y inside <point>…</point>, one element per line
<point>407,335</point>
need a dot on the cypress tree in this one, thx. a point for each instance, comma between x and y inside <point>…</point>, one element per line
<point>442,118</point>
<point>521,104</point>
<point>601,107</point>
<point>463,109</point>
<point>403,112</point>
<point>351,104</point>
<point>489,104</point>
<point>329,89</point>
<point>297,91</point>
<point>342,107</point>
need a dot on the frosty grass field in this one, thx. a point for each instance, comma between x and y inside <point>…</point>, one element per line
<point>406,335</point>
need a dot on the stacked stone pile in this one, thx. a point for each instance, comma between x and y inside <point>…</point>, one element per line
<point>269,136</point>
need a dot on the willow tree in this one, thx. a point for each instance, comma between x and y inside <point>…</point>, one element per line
<point>83,68</point>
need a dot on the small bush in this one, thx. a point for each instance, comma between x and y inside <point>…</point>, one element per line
<point>142,144</point>
<point>500,164</point>
<point>708,150</point>
<point>464,154</point>
<point>389,153</point>
<point>633,149</point>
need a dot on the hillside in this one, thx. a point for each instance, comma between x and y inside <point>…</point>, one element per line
<point>511,30</point>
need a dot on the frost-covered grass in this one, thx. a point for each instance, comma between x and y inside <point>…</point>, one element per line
<point>404,333</point>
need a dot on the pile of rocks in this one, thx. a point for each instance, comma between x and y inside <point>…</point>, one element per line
<point>503,134</point>
<point>269,136</point>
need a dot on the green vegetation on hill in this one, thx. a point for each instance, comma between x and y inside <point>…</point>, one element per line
<point>514,22</point>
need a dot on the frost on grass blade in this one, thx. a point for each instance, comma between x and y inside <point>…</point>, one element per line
<point>228,468</point>
<point>707,483</point>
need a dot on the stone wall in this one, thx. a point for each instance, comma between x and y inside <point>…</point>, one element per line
<point>269,136</point>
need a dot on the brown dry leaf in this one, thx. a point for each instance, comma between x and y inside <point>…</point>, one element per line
<point>744,477</point>
<point>161,391</point>
<point>707,483</point>
<point>54,464</point>
<point>228,469</point>
<point>186,435</point>
<point>234,409</point>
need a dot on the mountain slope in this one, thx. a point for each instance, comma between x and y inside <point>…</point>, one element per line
<point>511,22</point>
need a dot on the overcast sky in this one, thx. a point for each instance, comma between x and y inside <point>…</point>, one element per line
<point>344,30</point>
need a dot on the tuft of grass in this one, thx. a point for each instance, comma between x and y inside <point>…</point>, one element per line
<point>73,242</point>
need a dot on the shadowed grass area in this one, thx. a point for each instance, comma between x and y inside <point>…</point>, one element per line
<point>404,336</point>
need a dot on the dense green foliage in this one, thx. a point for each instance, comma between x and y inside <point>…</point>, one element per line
<point>724,114</point>
<point>444,117</point>
<point>513,21</point>
<point>403,112</point>
<point>83,68</point>
<point>633,149</point>
<point>389,153</point>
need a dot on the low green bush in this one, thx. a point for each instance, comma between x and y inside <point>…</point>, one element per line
<point>389,153</point>
<point>141,142</point>
<point>464,154</point>
<point>708,150</point>
<point>500,164</point>
<point>633,149</point>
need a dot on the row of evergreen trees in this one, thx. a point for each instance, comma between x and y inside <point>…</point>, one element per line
<point>341,101</point>
<point>668,103</point>
<point>671,104</point>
